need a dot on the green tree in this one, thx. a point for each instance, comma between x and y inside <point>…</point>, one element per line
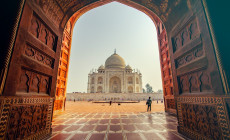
<point>149,89</point>
<point>160,91</point>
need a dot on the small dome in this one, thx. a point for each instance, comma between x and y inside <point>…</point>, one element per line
<point>101,67</point>
<point>115,61</point>
<point>128,67</point>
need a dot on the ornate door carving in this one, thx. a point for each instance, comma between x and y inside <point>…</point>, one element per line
<point>28,96</point>
<point>200,98</point>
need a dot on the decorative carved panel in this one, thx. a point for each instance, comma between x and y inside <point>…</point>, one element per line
<point>66,40</point>
<point>60,92</point>
<point>65,56</point>
<point>185,35</point>
<point>166,68</point>
<point>195,82</point>
<point>33,82</point>
<point>63,73</point>
<point>69,27</point>
<point>189,56</point>
<point>38,56</point>
<point>67,4</point>
<point>26,120</point>
<point>51,9</point>
<point>58,104</point>
<point>171,103</point>
<point>203,117</point>
<point>25,117</point>
<point>42,32</point>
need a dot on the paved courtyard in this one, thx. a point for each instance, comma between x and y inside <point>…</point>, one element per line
<point>130,121</point>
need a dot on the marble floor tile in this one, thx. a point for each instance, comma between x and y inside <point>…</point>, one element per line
<point>125,122</point>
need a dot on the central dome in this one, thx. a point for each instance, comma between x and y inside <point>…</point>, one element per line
<point>115,61</point>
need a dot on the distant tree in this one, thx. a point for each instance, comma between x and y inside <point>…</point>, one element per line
<point>149,89</point>
<point>160,91</point>
<point>144,90</point>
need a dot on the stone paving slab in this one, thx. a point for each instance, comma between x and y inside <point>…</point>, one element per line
<point>87,121</point>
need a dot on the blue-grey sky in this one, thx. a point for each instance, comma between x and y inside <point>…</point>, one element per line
<point>113,26</point>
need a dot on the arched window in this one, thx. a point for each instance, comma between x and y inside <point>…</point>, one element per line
<point>130,89</point>
<point>99,89</point>
<point>100,80</point>
<point>137,81</point>
<point>130,80</point>
<point>92,90</point>
<point>92,80</point>
<point>137,89</point>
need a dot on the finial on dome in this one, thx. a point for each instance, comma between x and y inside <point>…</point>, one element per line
<point>115,51</point>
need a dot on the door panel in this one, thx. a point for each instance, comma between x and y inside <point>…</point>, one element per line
<point>27,103</point>
<point>200,98</point>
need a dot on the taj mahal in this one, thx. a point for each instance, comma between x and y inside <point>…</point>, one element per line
<point>115,77</point>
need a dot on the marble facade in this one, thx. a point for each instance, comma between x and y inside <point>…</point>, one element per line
<point>115,77</point>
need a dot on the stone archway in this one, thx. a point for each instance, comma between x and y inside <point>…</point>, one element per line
<point>137,89</point>
<point>130,89</point>
<point>130,80</point>
<point>137,81</point>
<point>192,72</point>
<point>92,89</point>
<point>115,85</point>
<point>92,80</point>
<point>100,80</point>
<point>166,67</point>
<point>99,89</point>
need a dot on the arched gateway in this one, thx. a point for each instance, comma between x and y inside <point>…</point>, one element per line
<point>116,76</point>
<point>115,85</point>
<point>35,57</point>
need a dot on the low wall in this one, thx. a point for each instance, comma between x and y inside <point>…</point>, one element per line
<point>113,96</point>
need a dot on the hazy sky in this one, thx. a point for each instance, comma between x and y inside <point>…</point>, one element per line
<point>113,26</point>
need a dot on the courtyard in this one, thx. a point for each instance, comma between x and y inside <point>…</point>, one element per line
<point>100,121</point>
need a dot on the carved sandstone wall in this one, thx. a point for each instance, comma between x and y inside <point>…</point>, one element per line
<point>32,62</point>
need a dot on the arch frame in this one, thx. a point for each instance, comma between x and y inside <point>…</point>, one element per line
<point>115,85</point>
<point>159,25</point>
<point>189,11</point>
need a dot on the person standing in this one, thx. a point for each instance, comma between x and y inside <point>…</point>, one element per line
<point>149,103</point>
<point>110,102</point>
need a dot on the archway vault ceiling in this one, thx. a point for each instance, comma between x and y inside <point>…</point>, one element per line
<point>61,10</point>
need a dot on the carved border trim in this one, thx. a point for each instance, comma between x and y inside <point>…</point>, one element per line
<point>182,23</point>
<point>35,53</point>
<point>6,104</point>
<point>218,101</point>
<point>5,109</point>
<point>40,135</point>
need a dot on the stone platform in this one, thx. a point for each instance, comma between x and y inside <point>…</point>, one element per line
<point>113,96</point>
<point>88,121</point>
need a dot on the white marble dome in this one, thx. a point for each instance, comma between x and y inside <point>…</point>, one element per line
<point>115,61</point>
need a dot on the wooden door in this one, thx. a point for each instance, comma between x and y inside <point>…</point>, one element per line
<point>27,101</point>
